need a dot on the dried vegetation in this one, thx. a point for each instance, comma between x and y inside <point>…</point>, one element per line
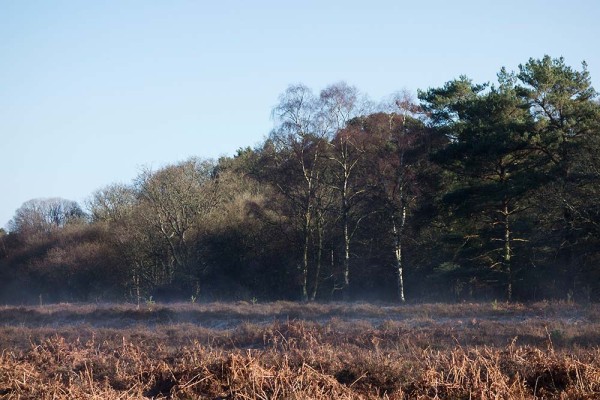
<point>294,351</point>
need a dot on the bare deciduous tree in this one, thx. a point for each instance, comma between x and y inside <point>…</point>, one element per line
<point>299,140</point>
<point>178,198</point>
<point>111,203</point>
<point>45,215</point>
<point>341,104</point>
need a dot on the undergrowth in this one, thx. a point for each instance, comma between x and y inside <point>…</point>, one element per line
<point>417,357</point>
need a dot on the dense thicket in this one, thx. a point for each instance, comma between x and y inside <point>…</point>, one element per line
<point>476,191</point>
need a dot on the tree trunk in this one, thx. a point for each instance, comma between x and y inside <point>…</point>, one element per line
<point>346,257</point>
<point>305,257</point>
<point>305,271</point>
<point>398,235</point>
<point>136,285</point>
<point>320,232</point>
<point>346,222</point>
<point>507,251</point>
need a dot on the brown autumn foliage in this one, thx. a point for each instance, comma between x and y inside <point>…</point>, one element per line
<point>287,350</point>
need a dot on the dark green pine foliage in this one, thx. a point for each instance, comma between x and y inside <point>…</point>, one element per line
<point>567,144</point>
<point>488,154</point>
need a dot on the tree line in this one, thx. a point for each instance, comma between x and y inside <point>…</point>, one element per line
<point>473,191</point>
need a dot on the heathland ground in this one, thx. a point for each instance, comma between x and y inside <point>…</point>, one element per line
<point>291,350</point>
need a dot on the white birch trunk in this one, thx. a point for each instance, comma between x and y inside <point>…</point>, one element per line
<point>398,236</point>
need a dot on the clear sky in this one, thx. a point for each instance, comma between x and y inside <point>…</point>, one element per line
<point>91,91</point>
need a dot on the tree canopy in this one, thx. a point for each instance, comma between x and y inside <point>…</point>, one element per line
<point>474,191</point>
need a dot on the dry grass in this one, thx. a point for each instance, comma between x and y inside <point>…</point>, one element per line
<point>295,351</point>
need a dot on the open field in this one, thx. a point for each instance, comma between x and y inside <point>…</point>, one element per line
<point>300,351</point>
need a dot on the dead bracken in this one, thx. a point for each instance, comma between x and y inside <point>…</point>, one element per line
<point>324,351</point>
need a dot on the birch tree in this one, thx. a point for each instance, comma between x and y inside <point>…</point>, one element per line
<point>395,152</point>
<point>299,140</point>
<point>341,104</point>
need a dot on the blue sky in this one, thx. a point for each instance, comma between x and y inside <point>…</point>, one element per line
<point>92,91</point>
